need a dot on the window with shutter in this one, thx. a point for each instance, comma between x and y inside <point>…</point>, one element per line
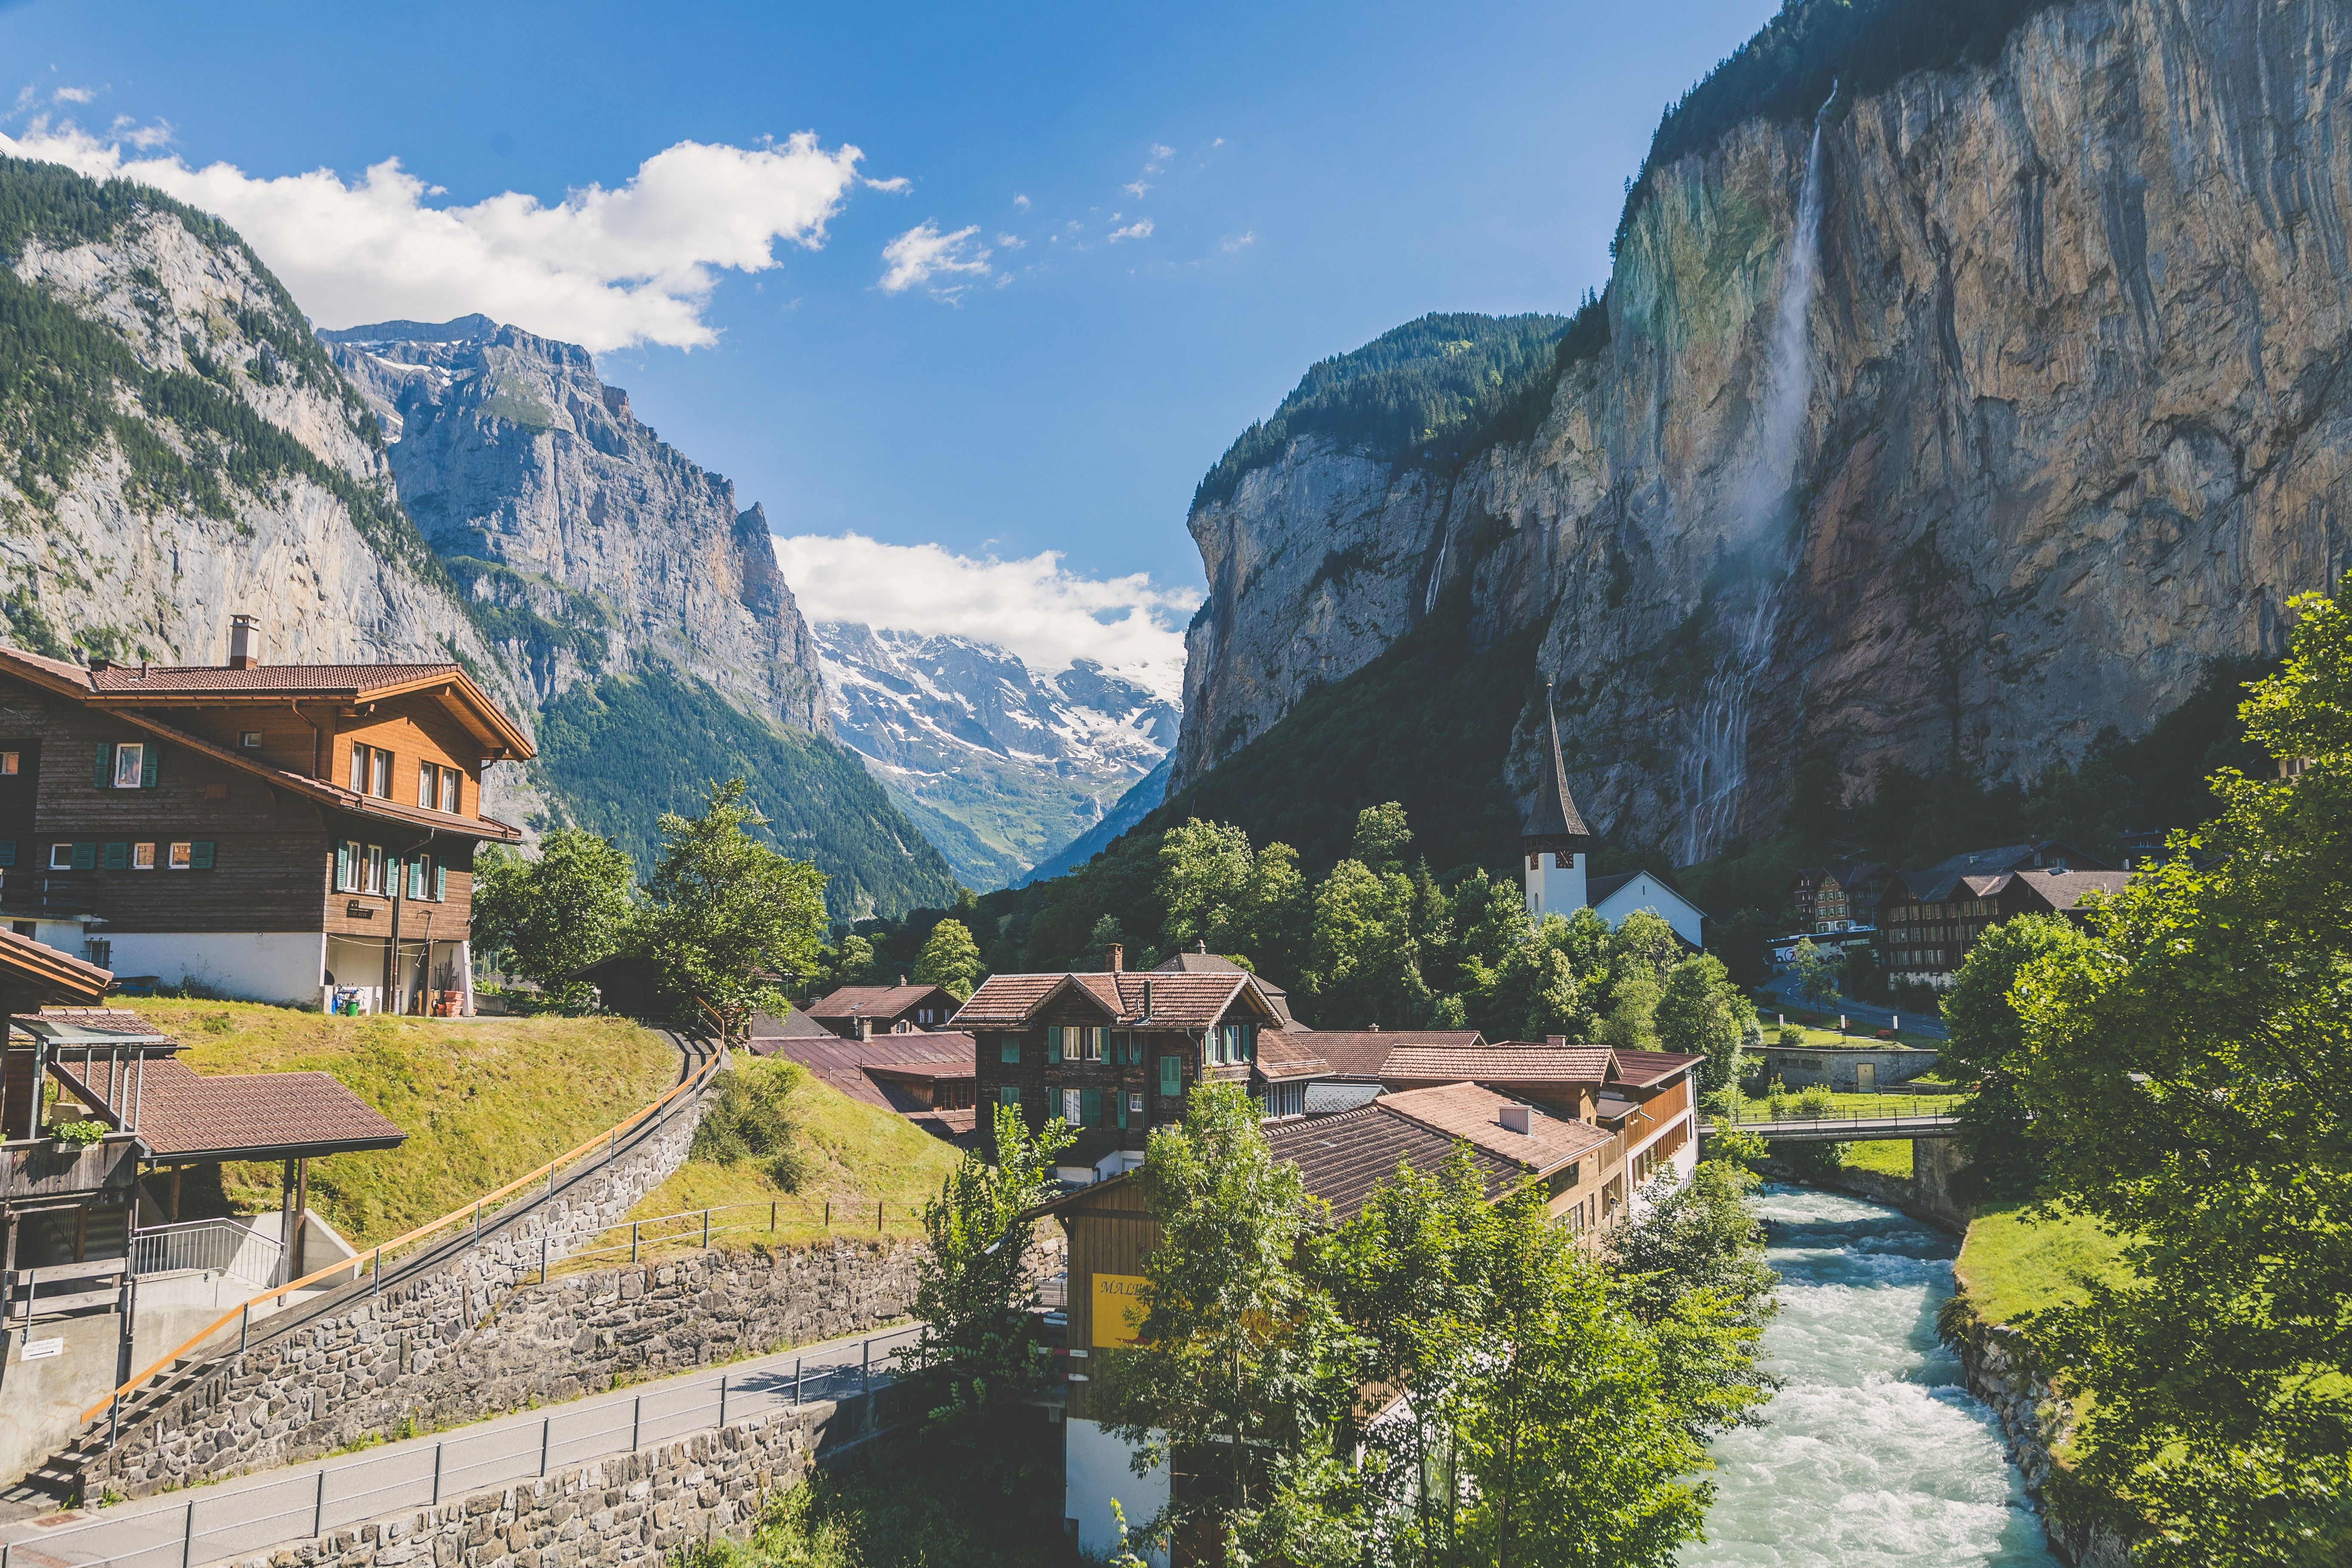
<point>102,777</point>
<point>1008,1094</point>
<point>428,785</point>
<point>118,856</point>
<point>452,792</point>
<point>344,853</point>
<point>200,855</point>
<point>440,883</point>
<point>85,856</point>
<point>1072,1108</point>
<point>1052,1044</point>
<point>1171,1075</point>
<point>154,755</point>
<point>1090,1107</point>
<point>1008,1048</point>
<point>359,769</point>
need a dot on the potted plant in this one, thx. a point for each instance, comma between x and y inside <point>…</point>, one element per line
<point>74,1136</point>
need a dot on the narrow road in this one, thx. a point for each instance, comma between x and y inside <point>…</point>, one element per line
<point>254,1513</point>
<point>1865,1016</point>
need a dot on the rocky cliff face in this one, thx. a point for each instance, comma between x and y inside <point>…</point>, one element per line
<point>2075,418</point>
<point>585,541</point>
<point>999,766</point>
<point>180,451</point>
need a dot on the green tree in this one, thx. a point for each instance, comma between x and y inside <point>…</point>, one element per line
<point>1691,1267</point>
<point>1816,974</point>
<point>1574,1455</point>
<point>1702,1013</point>
<point>1364,964</point>
<point>1382,838</point>
<point>1644,941</point>
<point>729,915</point>
<point>849,961</point>
<point>1243,1371</point>
<point>950,960</point>
<point>551,916</point>
<point>1204,870</point>
<point>977,1352</point>
<point>1550,979</point>
<point>1632,1021</point>
<point>2187,1076</point>
<point>1988,1043</point>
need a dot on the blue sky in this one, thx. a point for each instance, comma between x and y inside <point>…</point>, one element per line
<point>1291,181</point>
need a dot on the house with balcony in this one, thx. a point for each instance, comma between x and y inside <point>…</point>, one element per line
<point>297,833</point>
<point>1929,920</point>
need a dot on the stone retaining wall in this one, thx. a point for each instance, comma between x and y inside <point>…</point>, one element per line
<point>2035,1416</point>
<point>626,1509</point>
<point>338,1378</point>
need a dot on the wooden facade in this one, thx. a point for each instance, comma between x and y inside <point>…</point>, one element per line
<point>222,807</point>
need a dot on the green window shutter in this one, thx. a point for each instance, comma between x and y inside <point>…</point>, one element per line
<point>118,857</point>
<point>1090,1107</point>
<point>1008,1049</point>
<point>102,777</point>
<point>1052,1044</point>
<point>1171,1075</point>
<point>8,852</point>
<point>152,755</point>
<point>1119,1097</point>
<point>85,856</point>
<point>200,855</point>
<point>440,883</point>
<point>1008,1094</point>
<point>342,866</point>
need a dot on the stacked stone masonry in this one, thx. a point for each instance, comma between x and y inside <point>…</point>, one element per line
<point>346,1374</point>
<point>2035,1416</point>
<point>630,1507</point>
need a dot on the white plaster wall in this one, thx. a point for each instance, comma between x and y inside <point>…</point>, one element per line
<point>1555,887</point>
<point>1097,1472</point>
<point>1644,892</point>
<point>256,966</point>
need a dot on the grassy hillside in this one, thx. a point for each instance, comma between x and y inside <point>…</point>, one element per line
<point>624,753</point>
<point>855,1156</point>
<point>482,1100</point>
<point>2016,1260</point>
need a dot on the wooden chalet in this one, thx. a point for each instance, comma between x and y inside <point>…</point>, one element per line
<point>1113,1053</point>
<point>1929,920</point>
<point>865,1010</point>
<point>298,834</point>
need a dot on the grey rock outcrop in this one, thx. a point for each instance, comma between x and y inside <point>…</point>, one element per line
<point>2078,422</point>
<point>585,542</point>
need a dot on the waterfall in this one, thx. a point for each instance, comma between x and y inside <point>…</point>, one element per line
<point>1714,768</point>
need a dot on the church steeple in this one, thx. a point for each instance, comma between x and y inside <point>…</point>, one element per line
<point>1552,834</point>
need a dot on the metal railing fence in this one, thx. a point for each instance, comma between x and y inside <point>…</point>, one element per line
<point>698,1227</point>
<point>213,1526</point>
<point>219,1245</point>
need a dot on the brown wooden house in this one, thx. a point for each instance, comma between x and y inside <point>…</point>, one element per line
<point>286,833</point>
<point>1928,921</point>
<point>1113,1053</point>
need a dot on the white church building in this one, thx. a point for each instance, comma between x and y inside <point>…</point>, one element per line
<point>1558,850</point>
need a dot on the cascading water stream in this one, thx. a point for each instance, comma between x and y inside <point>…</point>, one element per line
<point>1872,1455</point>
<point>1714,758</point>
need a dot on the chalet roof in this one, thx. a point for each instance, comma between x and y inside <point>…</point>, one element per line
<point>1342,1158</point>
<point>1647,1069</point>
<point>843,1063</point>
<point>794,1025</point>
<point>1202,961</point>
<point>876,1001</point>
<point>961,1128</point>
<point>1508,1062</point>
<point>1474,1114</point>
<point>1177,1001</point>
<point>1552,815</point>
<point>1939,881</point>
<point>924,1072</point>
<point>73,681</point>
<point>1362,1053</point>
<point>35,972</point>
<point>1285,1058</point>
<point>187,1115</point>
<point>1328,1096</point>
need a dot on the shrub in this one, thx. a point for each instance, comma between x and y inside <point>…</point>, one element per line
<point>82,1133</point>
<point>1817,1100</point>
<point>1791,1034</point>
<point>752,1119</point>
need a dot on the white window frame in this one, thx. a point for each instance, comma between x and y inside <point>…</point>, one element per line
<point>62,857</point>
<point>249,739</point>
<point>11,763</point>
<point>182,857</point>
<point>360,767</point>
<point>428,785</point>
<point>1074,1106</point>
<point>130,758</point>
<point>453,791</point>
<point>380,773</point>
<point>371,870</point>
<point>143,855</point>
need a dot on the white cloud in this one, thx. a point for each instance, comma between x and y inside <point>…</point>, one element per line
<point>897,186</point>
<point>604,268</point>
<point>1021,202</point>
<point>74,95</point>
<point>1034,608</point>
<point>146,138</point>
<point>1160,154</point>
<point>1139,229</point>
<point>1239,242</point>
<point>922,256</point>
<point>1012,242</point>
<point>1135,189</point>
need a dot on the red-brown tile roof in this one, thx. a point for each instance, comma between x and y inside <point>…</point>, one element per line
<point>1342,1158</point>
<point>112,1020</point>
<point>961,1128</point>
<point>1646,1069</point>
<point>40,972</point>
<point>186,1115</point>
<point>1499,1064</point>
<point>1006,1000</point>
<point>1361,1053</point>
<point>1467,1112</point>
<point>1176,1001</point>
<point>1282,1057</point>
<point>321,680</point>
<point>842,1063</point>
<point>876,1001</point>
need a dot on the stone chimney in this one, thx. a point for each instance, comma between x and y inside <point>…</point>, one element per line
<point>1556,1042</point>
<point>1518,1118</point>
<point>1115,958</point>
<point>864,1028</point>
<point>244,642</point>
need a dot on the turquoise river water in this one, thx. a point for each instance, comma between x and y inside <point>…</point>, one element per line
<point>1873,1453</point>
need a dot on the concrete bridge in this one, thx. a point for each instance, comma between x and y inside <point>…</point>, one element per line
<point>1841,1129</point>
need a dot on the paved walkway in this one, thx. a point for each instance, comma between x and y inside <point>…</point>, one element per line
<point>254,1513</point>
<point>1863,1016</point>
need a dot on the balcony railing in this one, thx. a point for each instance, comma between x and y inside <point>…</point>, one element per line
<point>218,1246</point>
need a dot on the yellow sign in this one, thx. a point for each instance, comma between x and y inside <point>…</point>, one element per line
<point>1116,1310</point>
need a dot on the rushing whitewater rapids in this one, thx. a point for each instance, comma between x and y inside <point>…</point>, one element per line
<point>1873,1452</point>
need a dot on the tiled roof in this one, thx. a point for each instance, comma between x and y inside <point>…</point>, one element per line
<point>1177,1001</point>
<point>322,680</point>
<point>960,1128</point>
<point>109,1020</point>
<point>842,1063</point>
<point>49,974</point>
<point>1328,1099</point>
<point>1465,1111</point>
<point>2064,890</point>
<point>1361,1053</point>
<point>875,1001</point>
<point>1282,1057</point>
<point>1646,1069</point>
<point>1342,1158</point>
<point>185,1115</point>
<point>1505,1063</point>
<point>794,1025</point>
<point>923,1072</point>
